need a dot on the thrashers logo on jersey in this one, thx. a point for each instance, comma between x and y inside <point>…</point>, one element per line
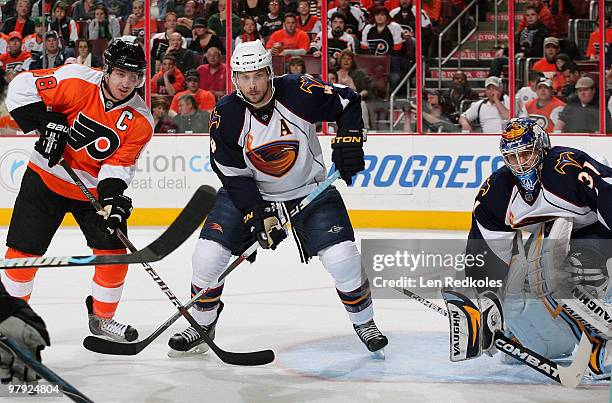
<point>565,160</point>
<point>100,141</point>
<point>309,82</point>
<point>275,158</point>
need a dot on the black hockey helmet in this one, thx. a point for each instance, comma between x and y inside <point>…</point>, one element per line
<point>125,53</point>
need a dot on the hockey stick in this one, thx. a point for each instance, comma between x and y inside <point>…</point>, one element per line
<point>250,358</point>
<point>190,219</point>
<point>105,346</point>
<point>43,371</point>
<point>569,376</point>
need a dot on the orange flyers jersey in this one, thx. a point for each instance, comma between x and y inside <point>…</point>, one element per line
<point>19,63</point>
<point>105,138</point>
<point>547,116</point>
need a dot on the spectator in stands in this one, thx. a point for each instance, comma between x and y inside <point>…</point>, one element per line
<point>159,109</point>
<point>249,31</point>
<point>160,41</point>
<point>337,40</point>
<point>271,21</point>
<point>252,8</point>
<point>52,56</point>
<point>83,10</point>
<point>204,98</point>
<point>384,37</point>
<point>545,108</point>
<point>433,8</point>
<point>169,80</point>
<point>21,21</point>
<point>332,77</point>
<point>185,23</point>
<point>288,41</point>
<point>136,21</point>
<point>592,51</point>
<point>435,115</point>
<point>354,21</point>
<point>351,76</point>
<point>530,40</point>
<point>288,6</point>
<point>581,115</point>
<point>185,58</point>
<point>84,55</point>
<point>212,75</point>
<point>216,22</point>
<point>297,65</point>
<point>15,60</point>
<point>547,64</point>
<point>528,92</point>
<point>65,26</point>
<point>404,15</point>
<point>204,38</point>
<point>121,9</point>
<point>103,26</point>
<point>190,119</point>
<point>491,112</point>
<point>34,43</point>
<point>459,91</point>
<point>571,75</point>
<point>305,21</point>
<point>544,15</point>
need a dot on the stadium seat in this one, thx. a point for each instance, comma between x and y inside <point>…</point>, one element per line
<point>313,64</point>
<point>98,46</point>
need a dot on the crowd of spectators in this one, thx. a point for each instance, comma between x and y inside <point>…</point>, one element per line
<point>188,46</point>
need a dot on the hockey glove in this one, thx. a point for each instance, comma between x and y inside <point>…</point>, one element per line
<point>265,225</point>
<point>54,131</point>
<point>347,153</point>
<point>27,329</point>
<point>115,211</point>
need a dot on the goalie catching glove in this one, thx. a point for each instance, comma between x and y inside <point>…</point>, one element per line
<point>265,225</point>
<point>54,131</point>
<point>347,153</point>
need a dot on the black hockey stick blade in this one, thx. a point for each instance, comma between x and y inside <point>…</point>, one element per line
<point>190,219</point>
<point>43,371</point>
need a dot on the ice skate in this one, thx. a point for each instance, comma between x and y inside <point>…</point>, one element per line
<point>189,342</point>
<point>109,328</point>
<point>373,339</point>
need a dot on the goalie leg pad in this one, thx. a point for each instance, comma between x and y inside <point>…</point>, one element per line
<point>465,321</point>
<point>532,324</point>
<point>343,262</point>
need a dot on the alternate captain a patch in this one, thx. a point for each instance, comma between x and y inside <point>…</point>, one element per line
<point>275,158</point>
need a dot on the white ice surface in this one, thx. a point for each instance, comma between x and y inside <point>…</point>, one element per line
<point>281,304</point>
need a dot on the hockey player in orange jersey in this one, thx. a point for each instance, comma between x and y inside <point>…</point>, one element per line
<point>98,124</point>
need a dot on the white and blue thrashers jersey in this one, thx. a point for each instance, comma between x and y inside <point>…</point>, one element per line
<point>574,185</point>
<point>273,153</point>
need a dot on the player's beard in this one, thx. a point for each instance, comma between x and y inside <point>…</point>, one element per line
<point>257,102</point>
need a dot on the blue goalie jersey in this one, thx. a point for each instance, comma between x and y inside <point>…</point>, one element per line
<point>273,153</point>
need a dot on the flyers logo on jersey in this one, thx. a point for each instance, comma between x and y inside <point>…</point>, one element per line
<point>99,141</point>
<point>275,158</point>
<point>309,82</point>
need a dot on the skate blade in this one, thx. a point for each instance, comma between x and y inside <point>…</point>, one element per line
<point>379,354</point>
<point>197,350</point>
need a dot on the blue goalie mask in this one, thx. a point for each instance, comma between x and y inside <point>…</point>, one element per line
<point>523,145</point>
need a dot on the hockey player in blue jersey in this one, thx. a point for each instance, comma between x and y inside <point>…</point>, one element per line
<point>556,285</point>
<point>265,151</point>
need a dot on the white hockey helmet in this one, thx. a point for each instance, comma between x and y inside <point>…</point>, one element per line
<point>251,56</point>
